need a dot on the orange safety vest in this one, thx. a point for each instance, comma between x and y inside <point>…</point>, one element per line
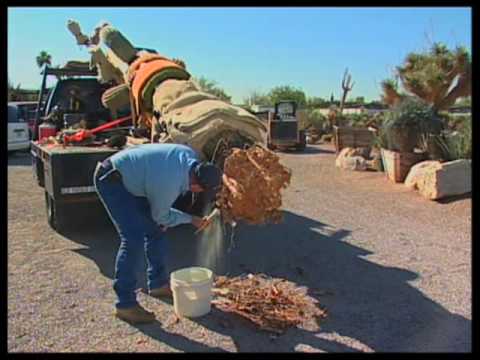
<point>145,70</point>
<point>135,65</point>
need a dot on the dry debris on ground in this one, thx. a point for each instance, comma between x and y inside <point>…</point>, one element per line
<point>252,181</point>
<point>272,304</point>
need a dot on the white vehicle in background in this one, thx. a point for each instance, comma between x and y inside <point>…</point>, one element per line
<point>18,131</point>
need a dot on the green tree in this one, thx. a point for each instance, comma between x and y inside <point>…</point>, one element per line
<point>44,58</point>
<point>360,100</point>
<point>439,77</point>
<point>13,92</point>
<point>317,102</point>
<point>287,92</point>
<point>210,86</point>
<point>256,98</point>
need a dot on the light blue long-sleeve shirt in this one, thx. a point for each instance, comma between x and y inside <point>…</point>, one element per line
<point>159,172</point>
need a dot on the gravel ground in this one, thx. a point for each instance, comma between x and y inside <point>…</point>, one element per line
<point>392,269</point>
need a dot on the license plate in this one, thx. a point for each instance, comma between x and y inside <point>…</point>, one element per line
<point>77,190</point>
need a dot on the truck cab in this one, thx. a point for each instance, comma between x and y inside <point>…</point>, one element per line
<point>76,91</point>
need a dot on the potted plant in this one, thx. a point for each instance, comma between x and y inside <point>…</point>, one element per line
<point>402,131</point>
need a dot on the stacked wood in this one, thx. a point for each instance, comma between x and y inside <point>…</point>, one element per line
<point>346,136</point>
<point>252,180</point>
<point>272,304</point>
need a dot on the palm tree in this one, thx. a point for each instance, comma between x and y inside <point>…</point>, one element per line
<point>439,77</point>
<point>44,58</point>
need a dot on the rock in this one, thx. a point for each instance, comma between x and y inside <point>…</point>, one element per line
<point>356,163</point>
<point>417,173</point>
<point>375,153</point>
<point>312,138</point>
<point>436,180</point>
<point>326,138</point>
<point>374,164</point>
<point>363,152</point>
<point>349,159</point>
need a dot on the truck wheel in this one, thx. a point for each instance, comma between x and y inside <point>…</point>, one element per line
<point>55,214</point>
<point>38,175</point>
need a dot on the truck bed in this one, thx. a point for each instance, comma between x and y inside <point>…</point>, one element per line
<point>67,172</point>
<point>58,149</point>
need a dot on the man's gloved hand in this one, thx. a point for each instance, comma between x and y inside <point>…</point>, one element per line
<point>198,221</point>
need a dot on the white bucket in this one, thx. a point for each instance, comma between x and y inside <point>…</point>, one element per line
<point>192,291</point>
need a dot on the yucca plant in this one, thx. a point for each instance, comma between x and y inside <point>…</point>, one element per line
<point>439,77</point>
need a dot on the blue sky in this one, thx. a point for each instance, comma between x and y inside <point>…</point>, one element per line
<point>247,49</point>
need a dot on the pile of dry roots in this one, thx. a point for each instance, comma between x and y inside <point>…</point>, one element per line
<point>272,304</point>
<point>252,182</point>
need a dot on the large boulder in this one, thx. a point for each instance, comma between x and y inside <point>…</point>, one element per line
<point>350,159</point>
<point>436,180</point>
<point>417,173</point>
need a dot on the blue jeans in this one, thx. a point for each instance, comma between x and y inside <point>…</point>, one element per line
<point>139,235</point>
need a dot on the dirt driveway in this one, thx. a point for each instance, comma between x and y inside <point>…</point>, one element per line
<point>393,270</point>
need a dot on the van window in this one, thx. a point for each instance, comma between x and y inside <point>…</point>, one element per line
<point>21,113</point>
<point>12,114</point>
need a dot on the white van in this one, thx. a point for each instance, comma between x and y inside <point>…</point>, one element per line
<point>18,135</point>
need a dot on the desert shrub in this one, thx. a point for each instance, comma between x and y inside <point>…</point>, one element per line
<point>380,140</point>
<point>316,119</point>
<point>405,124</point>
<point>454,145</point>
<point>357,120</point>
<point>458,122</point>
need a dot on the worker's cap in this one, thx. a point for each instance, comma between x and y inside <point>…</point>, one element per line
<point>209,177</point>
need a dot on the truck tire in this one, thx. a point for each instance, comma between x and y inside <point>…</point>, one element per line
<point>55,214</point>
<point>38,174</point>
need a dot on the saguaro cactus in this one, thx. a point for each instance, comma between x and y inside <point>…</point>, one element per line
<point>347,86</point>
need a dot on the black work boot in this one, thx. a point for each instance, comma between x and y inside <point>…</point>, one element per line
<point>135,315</point>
